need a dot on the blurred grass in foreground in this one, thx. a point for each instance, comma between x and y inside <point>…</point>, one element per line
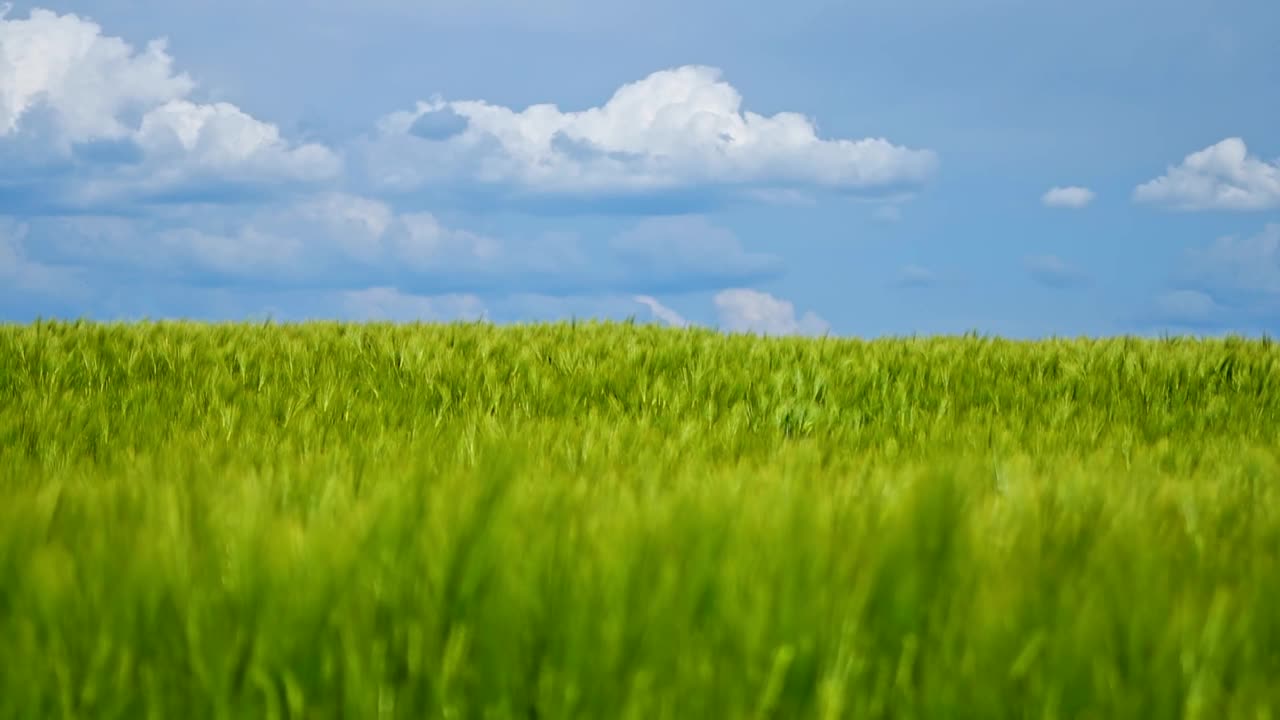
<point>616,521</point>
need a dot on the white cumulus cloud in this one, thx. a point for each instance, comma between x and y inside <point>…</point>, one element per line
<point>752,311</point>
<point>1223,176</point>
<point>86,80</point>
<point>1067,197</point>
<point>222,138</point>
<point>65,87</point>
<point>675,129</point>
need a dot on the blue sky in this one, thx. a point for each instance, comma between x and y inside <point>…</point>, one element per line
<point>887,167</point>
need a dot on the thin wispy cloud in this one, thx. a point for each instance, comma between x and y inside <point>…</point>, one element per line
<point>663,313</point>
<point>668,249</point>
<point>389,304</point>
<point>1231,283</point>
<point>1054,272</point>
<point>916,276</point>
<point>742,310</point>
<point>1187,308</point>
<point>1072,197</point>
<point>344,242</point>
<point>1235,264</point>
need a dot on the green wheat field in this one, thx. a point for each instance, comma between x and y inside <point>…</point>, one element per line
<point>614,520</point>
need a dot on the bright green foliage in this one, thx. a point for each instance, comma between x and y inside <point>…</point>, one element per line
<point>616,521</point>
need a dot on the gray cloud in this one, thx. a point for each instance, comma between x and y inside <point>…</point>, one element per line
<point>441,124</point>
<point>1231,284</point>
<point>341,242</point>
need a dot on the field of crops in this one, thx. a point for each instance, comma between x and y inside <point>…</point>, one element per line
<point>621,521</point>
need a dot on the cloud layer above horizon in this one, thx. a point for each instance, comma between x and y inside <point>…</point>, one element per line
<point>128,188</point>
<point>114,173</point>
